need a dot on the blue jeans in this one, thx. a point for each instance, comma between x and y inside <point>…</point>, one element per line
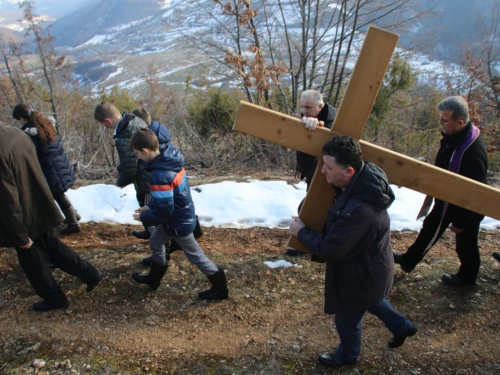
<point>349,327</point>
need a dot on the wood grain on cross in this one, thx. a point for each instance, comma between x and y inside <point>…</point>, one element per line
<point>351,119</point>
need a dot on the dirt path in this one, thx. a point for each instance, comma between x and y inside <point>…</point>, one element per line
<point>273,322</point>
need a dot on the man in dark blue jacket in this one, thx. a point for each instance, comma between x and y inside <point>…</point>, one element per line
<point>171,211</point>
<point>357,249</point>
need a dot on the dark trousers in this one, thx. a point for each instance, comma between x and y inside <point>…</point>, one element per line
<point>467,246</point>
<point>63,201</point>
<point>36,263</point>
<point>349,327</point>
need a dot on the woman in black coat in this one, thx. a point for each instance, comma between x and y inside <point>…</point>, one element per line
<point>54,162</point>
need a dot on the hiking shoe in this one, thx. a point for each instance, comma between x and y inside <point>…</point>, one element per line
<point>294,252</point>
<point>334,360</point>
<point>141,234</point>
<point>47,306</point>
<point>70,229</point>
<point>400,259</point>
<point>92,284</point>
<point>455,280</point>
<point>398,340</point>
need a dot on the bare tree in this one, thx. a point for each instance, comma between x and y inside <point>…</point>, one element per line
<point>298,44</point>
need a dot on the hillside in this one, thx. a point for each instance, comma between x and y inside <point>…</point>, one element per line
<point>273,322</point>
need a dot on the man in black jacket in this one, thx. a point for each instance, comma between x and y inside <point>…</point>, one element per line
<point>357,248</point>
<point>462,151</point>
<point>315,113</point>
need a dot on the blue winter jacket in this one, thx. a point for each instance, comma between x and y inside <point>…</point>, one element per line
<point>55,163</point>
<point>171,202</point>
<point>162,133</point>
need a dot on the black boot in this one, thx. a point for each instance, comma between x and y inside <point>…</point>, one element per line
<point>143,234</point>
<point>71,218</point>
<point>153,278</point>
<point>198,232</point>
<point>219,286</point>
<point>148,261</point>
<point>78,218</point>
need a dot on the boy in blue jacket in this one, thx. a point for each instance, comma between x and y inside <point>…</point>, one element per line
<point>171,210</point>
<point>164,140</point>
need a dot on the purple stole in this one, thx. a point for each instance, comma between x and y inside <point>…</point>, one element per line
<point>456,158</point>
<point>454,167</point>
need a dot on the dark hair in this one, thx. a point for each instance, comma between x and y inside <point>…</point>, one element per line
<point>144,138</point>
<point>457,106</point>
<point>105,110</point>
<point>143,114</point>
<point>46,130</point>
<point>345,150</point>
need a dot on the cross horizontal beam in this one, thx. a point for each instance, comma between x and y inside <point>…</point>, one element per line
<point>401,170</point>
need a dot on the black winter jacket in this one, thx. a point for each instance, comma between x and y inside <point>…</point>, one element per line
<point>131,168</point>
<point>55,163</point>
<point>474,165</point>
<point>306,164</point>
<point>356,243</point>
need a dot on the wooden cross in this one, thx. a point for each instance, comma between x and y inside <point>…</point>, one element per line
<point>353,113</point>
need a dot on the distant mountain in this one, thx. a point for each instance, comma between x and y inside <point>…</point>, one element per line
<point>11,35</point>
<point>115,42</point>
<point>10,13</point>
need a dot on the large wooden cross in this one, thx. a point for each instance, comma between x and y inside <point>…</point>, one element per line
<point>351,119</point>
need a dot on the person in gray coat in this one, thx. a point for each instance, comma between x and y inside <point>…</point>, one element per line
<point>28,213</point>
<point>356,246</point>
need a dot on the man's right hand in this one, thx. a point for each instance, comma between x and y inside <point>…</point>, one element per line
<point>298,176</point>
<point>311,123</point>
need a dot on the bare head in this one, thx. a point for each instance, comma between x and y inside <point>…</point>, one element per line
<point>453,114</point>
<point>342,157</point>
<point>107,114</point>
<point>311,103</point>
<point>143,114</point>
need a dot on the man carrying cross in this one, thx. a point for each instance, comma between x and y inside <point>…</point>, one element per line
<point>462,151</point>
<point>356,246</point>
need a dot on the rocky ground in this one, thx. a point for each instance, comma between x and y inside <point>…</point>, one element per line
<point>273,322</point>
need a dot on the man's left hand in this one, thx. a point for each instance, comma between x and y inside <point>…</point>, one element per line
<point>296,225</point>
<point>454,229</point>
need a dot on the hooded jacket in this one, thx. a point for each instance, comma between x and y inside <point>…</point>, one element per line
<point>54,162</point>
<point>27,207</point>
<point>171,202</point>
<point>162,133</point>
<point>131,168</point>
<point>356,243</point>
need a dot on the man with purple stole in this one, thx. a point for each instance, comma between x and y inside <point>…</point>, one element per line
<point>462,151</point>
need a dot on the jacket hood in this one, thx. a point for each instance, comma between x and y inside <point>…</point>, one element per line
<point>169,160</point>
<point>372,187</point>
